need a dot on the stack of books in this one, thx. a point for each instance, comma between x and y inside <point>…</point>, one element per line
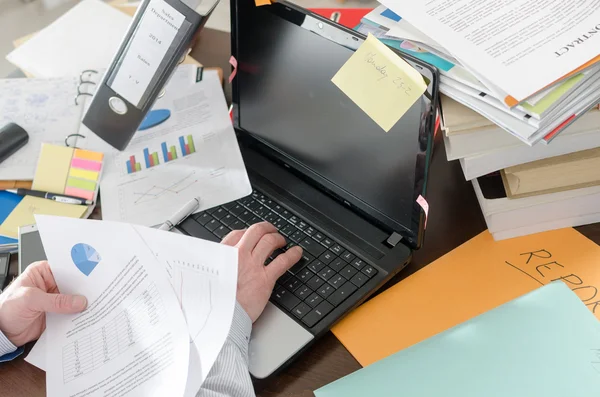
<point>519,105</point>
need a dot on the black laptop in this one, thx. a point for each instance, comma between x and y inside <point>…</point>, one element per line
<point>325,174</point>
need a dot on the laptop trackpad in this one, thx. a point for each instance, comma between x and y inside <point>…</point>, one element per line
<point>275,339</point>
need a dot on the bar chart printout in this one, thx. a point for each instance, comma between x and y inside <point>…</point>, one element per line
<point>168,154</point>
<point>187,145</point>
<point>151,159</point>
<point>132,165</point>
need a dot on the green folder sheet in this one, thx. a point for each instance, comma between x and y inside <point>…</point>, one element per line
<point>545,343</point>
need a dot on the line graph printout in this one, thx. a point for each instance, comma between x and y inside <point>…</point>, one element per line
<point>132,340</point>
<point>205,286</point>
<point>192,154</point>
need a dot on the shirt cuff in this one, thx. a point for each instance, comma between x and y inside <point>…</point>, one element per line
<point>5,345</point>
<point>241,327</point>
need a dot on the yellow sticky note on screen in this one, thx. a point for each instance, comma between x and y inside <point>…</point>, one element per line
<point>381,83</point>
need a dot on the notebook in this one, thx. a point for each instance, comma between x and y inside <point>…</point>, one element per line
<point>50,110</point>
<point>545,343</point>
<point>85,37</point>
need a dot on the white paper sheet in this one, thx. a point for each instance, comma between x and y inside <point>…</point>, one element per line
<point>212,168</point>
<point>85,37</point>
<point>132,339</point>
<point>520,46</point>
<point>44,108</point>
<point>203,276</point>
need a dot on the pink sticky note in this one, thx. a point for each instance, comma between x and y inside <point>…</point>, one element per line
<point>86,164</point>
<point>233,62</point>
<point>423,203</point>
<point>84,194</point>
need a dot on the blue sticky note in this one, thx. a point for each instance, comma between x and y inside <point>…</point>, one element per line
<point>391,15</point>
<point>545,343</point>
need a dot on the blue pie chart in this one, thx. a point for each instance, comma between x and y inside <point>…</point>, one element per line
<point>85,257</point>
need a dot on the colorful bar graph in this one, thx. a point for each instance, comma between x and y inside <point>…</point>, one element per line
<point>165,152</point>
<point>182,144</point>
<point>132,166</point>
<point>190,141</point>
<point>147,158</point>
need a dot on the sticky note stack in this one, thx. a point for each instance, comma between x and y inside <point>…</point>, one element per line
<point>62,170</point>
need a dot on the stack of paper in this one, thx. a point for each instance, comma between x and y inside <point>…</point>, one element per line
<point>530,68</point>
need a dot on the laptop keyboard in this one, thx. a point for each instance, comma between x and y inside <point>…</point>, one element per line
<point>326,275</point>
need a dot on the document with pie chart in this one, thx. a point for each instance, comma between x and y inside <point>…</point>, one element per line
<point>132,340</point>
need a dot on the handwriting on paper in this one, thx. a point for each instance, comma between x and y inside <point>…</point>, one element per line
<point>380,83</point>
<point>541,266</point>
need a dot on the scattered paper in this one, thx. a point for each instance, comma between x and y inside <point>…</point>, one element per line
<point>85,37</point>
<point>192,154</point>
<point>381,83</point>
<point>44,108</point>
<point>476,277</point>
<point>205,287</point>
<point>132,339</point>
<point>544,343</point>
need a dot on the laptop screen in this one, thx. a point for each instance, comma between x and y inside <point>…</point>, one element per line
<point>284,97</point>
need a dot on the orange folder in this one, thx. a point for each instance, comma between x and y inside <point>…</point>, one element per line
<point>476,277</point>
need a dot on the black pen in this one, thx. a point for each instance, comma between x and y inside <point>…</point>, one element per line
<point>60,198</point>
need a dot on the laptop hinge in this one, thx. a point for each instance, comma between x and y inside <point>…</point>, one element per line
<point>394,239</point>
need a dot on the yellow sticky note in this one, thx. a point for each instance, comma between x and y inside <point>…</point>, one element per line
<point>381,83</point>
<point>262,3</point>
<point>24,212</point>
<point>84,174</point>
<point>52,168</point>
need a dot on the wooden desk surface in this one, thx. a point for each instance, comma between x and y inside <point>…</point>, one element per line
<point>454,218</point>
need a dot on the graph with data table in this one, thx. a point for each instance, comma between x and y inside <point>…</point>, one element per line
<point>130,326</point>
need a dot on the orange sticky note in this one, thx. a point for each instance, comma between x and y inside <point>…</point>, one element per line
<point>262,3</point>
<point>476,277</point>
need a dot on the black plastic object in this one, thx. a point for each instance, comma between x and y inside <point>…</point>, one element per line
<point>12,138</point>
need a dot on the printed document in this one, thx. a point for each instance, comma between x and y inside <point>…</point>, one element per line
<point>132,340</point>
<point>519,46</point>
<point>192,154</point>
<point>203,276</point>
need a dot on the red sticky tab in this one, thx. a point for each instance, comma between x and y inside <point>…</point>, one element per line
<point>423,203</point>
<point>233,62</point>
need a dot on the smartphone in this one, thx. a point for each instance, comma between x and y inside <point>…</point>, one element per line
<point>30,247</point>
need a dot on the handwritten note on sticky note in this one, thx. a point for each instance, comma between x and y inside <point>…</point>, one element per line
<point>23,214</point>
<point>381,83</point>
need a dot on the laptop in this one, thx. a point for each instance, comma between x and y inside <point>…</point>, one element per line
<point>322,172</point>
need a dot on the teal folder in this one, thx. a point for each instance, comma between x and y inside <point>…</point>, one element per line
<point>545,343</point>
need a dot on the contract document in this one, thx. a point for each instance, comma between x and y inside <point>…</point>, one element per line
<point>516,47</point>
